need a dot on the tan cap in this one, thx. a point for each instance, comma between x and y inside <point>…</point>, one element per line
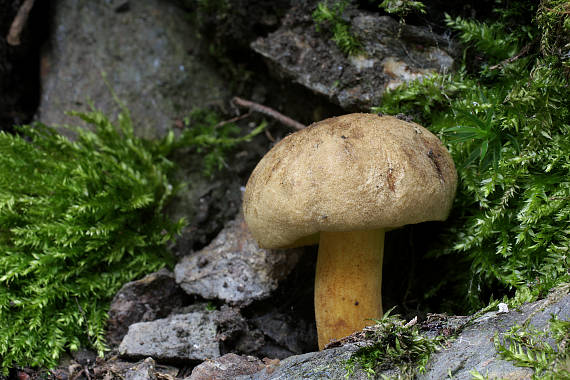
<point>352,172</point>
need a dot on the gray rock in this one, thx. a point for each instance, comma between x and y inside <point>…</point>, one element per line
<point>113,368</point>
<point>233,268</point>
<point>326,364</point>
<point>147,299</point>
<point>392,54</point>
<point>473,349</point>
<point>235,334</point>
<point>149,52</point>
<point>144,370</point>
<point>178,338</point>
<point>291,333</point>
<point>225,367</point>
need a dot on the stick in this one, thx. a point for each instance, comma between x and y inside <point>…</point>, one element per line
<point>19,22</point>
<point>269,112</point>
<point>221,123</point>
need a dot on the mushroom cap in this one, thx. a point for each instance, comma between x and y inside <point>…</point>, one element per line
<point>352,172</point>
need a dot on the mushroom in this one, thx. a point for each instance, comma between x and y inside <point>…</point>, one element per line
<point>342,182</point>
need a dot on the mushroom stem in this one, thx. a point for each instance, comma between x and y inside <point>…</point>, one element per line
<point>348,282</point>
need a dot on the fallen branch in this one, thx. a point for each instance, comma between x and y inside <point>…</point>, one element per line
<point>285,120</point>
<point>19,22</point>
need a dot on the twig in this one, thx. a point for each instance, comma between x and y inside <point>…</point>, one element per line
<point>269,112</point>
<point>523,51</point>
<point>232,120</point>
<point>19,22</point>
<point>86,370</point>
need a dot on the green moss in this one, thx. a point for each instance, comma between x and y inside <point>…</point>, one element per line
<point>330,17</point>
<point>81,218</point>
<point>402,8</point>
<point>506,122</point>
<point>528,347</point>
<point>395,344</point>
<point>544,351</point>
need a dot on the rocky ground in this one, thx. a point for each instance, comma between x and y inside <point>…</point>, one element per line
<point>230,309</point>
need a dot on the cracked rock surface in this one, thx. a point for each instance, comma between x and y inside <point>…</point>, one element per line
<point>391,54</point>
<point>178,338</point>
<point>233,268</point>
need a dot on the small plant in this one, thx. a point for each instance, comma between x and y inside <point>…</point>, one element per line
<point>553,19</point>
<point>212,138</point>
<point>402,7</point>
<point>396,344</point>
<point>331,17</point>
<point>489,38</point>
<point>528,347</point>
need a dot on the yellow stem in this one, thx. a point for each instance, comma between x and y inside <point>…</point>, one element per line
<point>348,282</point>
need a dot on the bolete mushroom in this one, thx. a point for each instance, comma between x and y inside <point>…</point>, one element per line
<point>343,182</point>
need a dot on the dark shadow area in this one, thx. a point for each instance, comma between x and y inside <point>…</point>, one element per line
<point>20,64</point>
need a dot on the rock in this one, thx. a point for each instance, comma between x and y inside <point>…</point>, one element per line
<point>206,203</point>
<point>178,338</point>
<point>142,371</point>
<point>233,24</point>
<point>155,61</point>
<point>326,364</point>
<point>149,52</point>
<point>473,349</point>
<point>392,54</point>
<point>273,333</point>
<point>226,367</point>
<point>279,326</point>
<point>235,334</point>
<point>290,334</point>
<point>84,357</point>
<point>147,299</point>
<point>233,268</point>
<point>113,368</point>
<point>284,324</point>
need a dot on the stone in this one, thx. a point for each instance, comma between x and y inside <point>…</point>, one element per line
<point>144,300</point>
<point>234,332</point>
<point>290,334</point>
<point>226,367</point>
<point>392,53</point>
<point>472,350</point>
<point>326,364</point>
<point>149,52</point>
<point>114,368</point>
<point>233,268</point>
<point>178,338</point>
<point>142,371</point>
